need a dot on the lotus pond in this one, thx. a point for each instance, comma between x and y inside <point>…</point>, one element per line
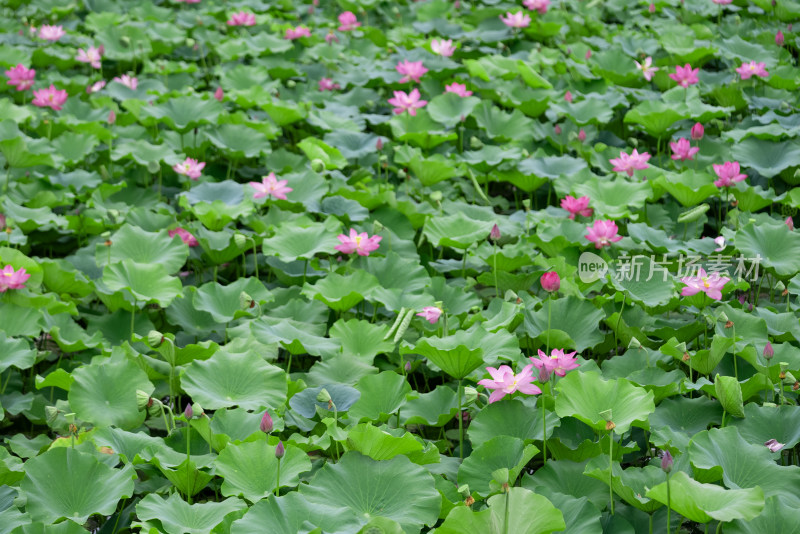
<point>361,266</point>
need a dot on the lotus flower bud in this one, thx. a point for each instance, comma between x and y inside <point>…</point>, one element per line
<point>568,96</point>
<point>779,38</point>
<point>379,144</point>
<point>634,343</point>
<point>240,240</point>
<point>588,54</point>
<point>526,203</point>
<point>266,423</point>
<point>494,235</point>
<point>153,166</point>
<point>155,338</point>
<point>769,352</point>
<point>317,165</point>
<point>558,129</point>
<point>666,462</point>
<point>143,399</point>
<point>582,136</point>
<point>189,42</point>
<point>219,94</point>
<point>790,222</point>
<point>407,366</point>
<point>246,301</point>
<point>112,117</point>
<point>697,131</point>
<point>280,450</point>
<point>652,8</point>
<point>188,413</point>
<point>323,396</point>
<point>550,281</point>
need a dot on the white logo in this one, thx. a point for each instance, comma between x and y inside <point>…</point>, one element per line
<point>591,267</point>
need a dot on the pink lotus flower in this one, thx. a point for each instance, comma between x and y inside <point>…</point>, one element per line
<point>648,71</point>
<point>651,8</point>
<point>430,314</point>
<point>722,2</point>
<point>720,242</point>
<point>188,1</point>
<point>20,77</point>
<point>91,56</point>
<point>243,18</point>
<point>411,70</point>
<point>297,33</point>
<point>407,102</point>
<point>774,445</point>
<point>96,86</point>
<point>458,88</point>
<point>185,236</point>
<point>747,70</point>
<point>588,54</point>
<point>443,48</point>
<point>128,81</point>
<point>516,20</point>
<point>50,97</point>
<point>505,382</point>
<point>577,206</point>
<point>728,174</point>
<point>537,5</point>
<point>683,150</point>
<point>603,233</point>
<point>697,131</point>
<point>190,167</point>
<point>779,38</point>
<point>494,233</point>
<point>685,76</point>
<point>359,243</point>
<point>558,362</point>
<point>11,279</point>
<point>331,37</point>
<point>626,163</point>
<point>790,222</point>
<point>550,281</point>
<point>271,186</point>
<point>326,84</point>
<point>710,285</point>
<point>51,33</point>
<point>219,94</point>
<point>348,21</point>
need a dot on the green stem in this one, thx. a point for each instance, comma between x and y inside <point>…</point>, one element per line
<point>508,497</point>
<point>544,430</point>
<point>460,424</point>
<point>735,366</point>
<point>549,310</point>
<point>669,505</point>
<point>278,479</point>
<point>611,470</point>
<point>651,523</point>
<point>494,257</point>
<point>255,257</point>
<point>133,313</point>
<point>616,347</point>
<point>188,460</point>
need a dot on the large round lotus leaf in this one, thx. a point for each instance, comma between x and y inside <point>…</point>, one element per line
<point>762,423</point>
<point>689,187</point>
<point>250,469</point>
<point>552,167</point>
<point>457,360</point>
<point>141,151</point>
<point>361,339</point>
<point>357,488</point>
<point>238,140</point>
<point>133,243</point>
<point>503,126</point>
<point>67,527</point>
<point>778,247</point>
<point>614,198</point>
<point>104,393</point>
<point>723,453</point>
<point>704,502</point>
<point>586,396</point>
<point>176,516</point>
<point>226,380</point>
<point>16,352</point>
<point>510,418</point>
<point>66,483</point>
<point>676,420</point>
<point>352,145</point>
<point>381,395</point>
<point>223,302</point>
<point>630,484</point>
<point>288,514</point>
<point>577,318</point>
<point>295,336</point>
<point>527,513</point>
<point>343,397</point>
<point>341,293</point>
<point>567,478</point>
<point>457,231</point>
<point>18,260</point>
<point>291,241</point>
<point>185,112</point>
<point>315,149</point>
<point>385,444</point>
<point>777,516</point>
<point>434,408</point>
<point>420,131</point>
<point>448,109</point>
<point>499,452</point>
<point>142,283</point>
<point>644,281</point>
<point>767,157</point>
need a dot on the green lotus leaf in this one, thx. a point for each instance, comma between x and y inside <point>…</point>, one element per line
<point>765,156</point>
<point>631,484</point>
<point>762,423</point>
<point>104,393</point>
<point>448,109</point>
<point>133,243</point>
<point>510,418</point>
<point>614,198</point>
<point>142,152</point>
<point>567,478</point>
<point>295,336</point>
<point>287,514</point>
<point>421,131</point>
<point>497,453</point>
<point>223,303</point>
<point>66,483</point>
<point>341,293</point>
<point>142,283</point>
<point>343,397</point>
<point>292,241</point>
<point>381,395</point>
<point>385,444</point>
<point>16,353</point>
<point>503,126</point>
<point>185,112</point>
<point>365,488</point>
<point>777,516</point>
<point>238,140</point>
<point>250,469</point>
<point>227,379</point>
<point>585,396</point>
<point>576,318</point>
<point>176,516</point>
<point>328,155</point>
<point>527,513</point>
<point>434,408</point>
<point>457,231</point>
<point>704,502</point>
<point>778,247</point>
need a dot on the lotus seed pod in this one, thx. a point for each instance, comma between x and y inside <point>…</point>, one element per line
<point>155,338</point>
<point>475,143</point>
<point>142,399</point>
<point>317,165</point>
<point>437,196</point>
<point>155,408</point>
<point>470,395</point>
<point>245,301</point>
<point>291,84</point>
<point>323,395</point>
<point>240,240</point>
<point>153,166</point>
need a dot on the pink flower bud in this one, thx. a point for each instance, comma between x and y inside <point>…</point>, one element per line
<point>769,352</point>
<point>494,235</point>
<point>266,423</point>
<point>697,131</point>
<point>379,144</point>
<point>652,8</point>
<point>408,366</point>
<point>558,129</point>
<point>188,412</point>
<point>219,94</point>
<point>568,97</point>
<point>666,462</point>
<point>582,136</point>
<point>790,222</point>
<point>779,38</point>
<point>112,117</point>
<point>588,54</point>
<point>550,281</point>
<point>280,450</point>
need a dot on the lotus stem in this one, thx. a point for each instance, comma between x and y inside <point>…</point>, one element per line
<point>460,424</point>
<point>549,310</point>
<point>188,460</point>
<point>278,479</point>
<point>494,257</point>
<point>544,430</point>
<point>669,504</point>
<point>611,470</point>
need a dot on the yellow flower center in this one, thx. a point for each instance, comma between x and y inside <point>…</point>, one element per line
<point>358,241</point>
<point>705,283</point>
